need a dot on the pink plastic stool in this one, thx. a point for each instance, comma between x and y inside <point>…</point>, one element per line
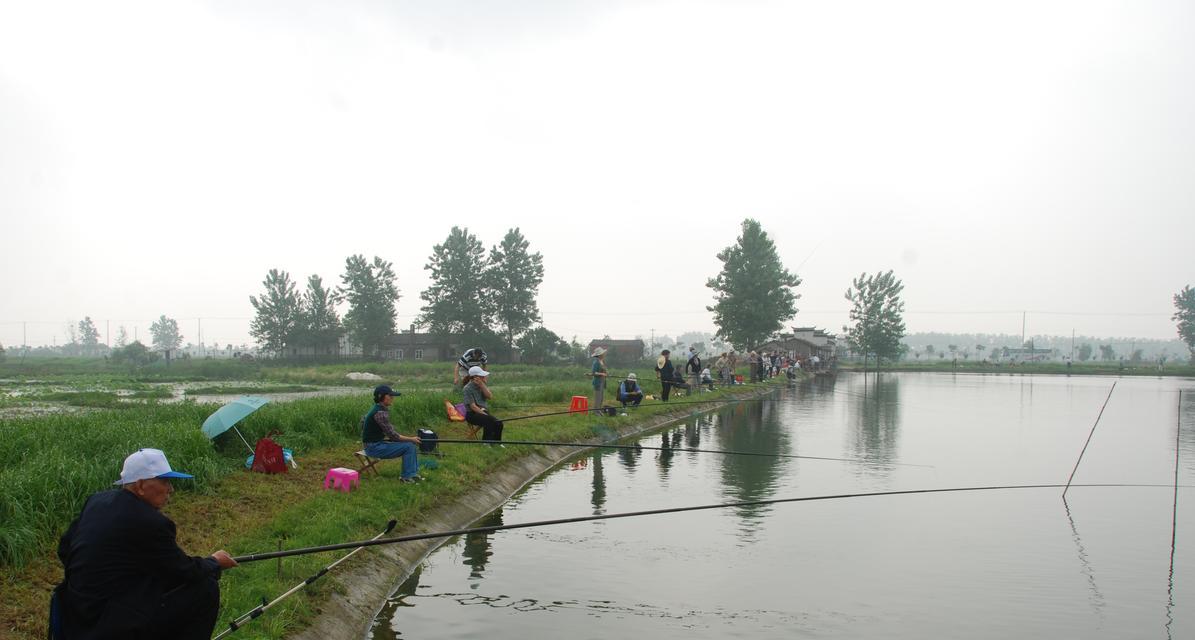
<point>341,478</point>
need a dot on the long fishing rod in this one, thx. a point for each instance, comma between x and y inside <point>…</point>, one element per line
<point>255,557</point>
<point>1092,433</point>
<point>264,606</point>
<point>679,449</point>
<point>659,404</point>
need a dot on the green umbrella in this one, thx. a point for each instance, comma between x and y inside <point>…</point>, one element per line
<point>226,417</point>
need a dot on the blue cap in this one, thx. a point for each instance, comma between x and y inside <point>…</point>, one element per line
<point>384,390</point>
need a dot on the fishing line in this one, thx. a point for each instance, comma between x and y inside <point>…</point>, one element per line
<point>256,612</point>
<point>677,449</point>
<point>1174,517</point>
<point>1097,422</point>
<point>255,557</point>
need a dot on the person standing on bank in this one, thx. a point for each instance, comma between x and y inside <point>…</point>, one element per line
<point>476,396</point>
<point>474,357</point>
<point>693,367</point>
<point>126,576</point>
<point>383,441</point>
<point>599,379</point>
<point>665,372</point>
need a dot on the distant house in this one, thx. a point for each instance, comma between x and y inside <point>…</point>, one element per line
<point>421,347</point>
<point>619,351</point>
<point>1027,354</point>
<point>802,343</point>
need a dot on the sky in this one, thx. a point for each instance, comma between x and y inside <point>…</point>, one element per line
<point>1008,160</point>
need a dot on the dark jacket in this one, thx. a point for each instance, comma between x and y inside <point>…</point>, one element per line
<point>120,557</point>
<point>666,371</point>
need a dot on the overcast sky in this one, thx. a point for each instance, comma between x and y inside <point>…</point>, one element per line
<point>160,157</point>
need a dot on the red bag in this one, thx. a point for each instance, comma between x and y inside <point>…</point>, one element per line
<point>268,456</point>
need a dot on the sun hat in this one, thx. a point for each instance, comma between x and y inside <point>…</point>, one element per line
<point>144,464</point>
<point>478,371</point>
<point>632,376</point>
<point>600,351</point>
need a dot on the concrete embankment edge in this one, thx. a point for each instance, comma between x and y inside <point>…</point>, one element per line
<point>361,590</point>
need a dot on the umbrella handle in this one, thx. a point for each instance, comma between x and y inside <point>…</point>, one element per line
<point>251,451</point>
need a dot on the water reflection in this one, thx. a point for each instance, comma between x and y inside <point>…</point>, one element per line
<point>598,496</point>
<point>751,427</point>
<point>665,458</point>
<point>629,457</point>
<point>876,421</point>
<point>379,630</point>
<point>477,549</point>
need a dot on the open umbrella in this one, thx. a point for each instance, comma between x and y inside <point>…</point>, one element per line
<point>226,417</point>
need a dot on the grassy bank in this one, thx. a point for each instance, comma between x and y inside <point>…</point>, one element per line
<point>49,465</point>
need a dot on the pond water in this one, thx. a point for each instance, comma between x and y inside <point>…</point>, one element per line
<point>990,564</point>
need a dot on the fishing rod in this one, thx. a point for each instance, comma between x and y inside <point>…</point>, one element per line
<point>1092,433</point>
<point>659,404</point>
<point>636,447</point>
<point>264,606</point>
<point>255,557</point>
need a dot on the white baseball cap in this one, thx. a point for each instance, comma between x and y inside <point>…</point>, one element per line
<point>478,371</point>
<point>144,464</point>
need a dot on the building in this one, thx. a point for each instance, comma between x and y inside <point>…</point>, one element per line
<point>619,351</point>
<point>802,343</point>
<point>421,347</point>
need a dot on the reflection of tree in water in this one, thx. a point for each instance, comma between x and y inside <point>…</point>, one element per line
<point>598,499</point>
<point>629,457</point>
<point>477,545</point>
<point>751,427</point>
<point>1185,423</point>
<point>875,415</point>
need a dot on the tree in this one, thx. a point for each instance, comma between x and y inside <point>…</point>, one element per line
<point>878,316</point>
<point>277,312</point>
<point>2,354</point>
<point>513,278</point>
<point>89,336</point>
<point>455,301</point>
<point>166,337</point>
<point>318,323</point>
<point>1084,352</point>
<point>122,336</point>
<point>539,344</point>
<point>929,349</point>
<point>1106,352</point>
<point>979,349</point>
<point>134,353</point>
<point>753,292</point>
<point>371,291</point>
<point>1184,315</point>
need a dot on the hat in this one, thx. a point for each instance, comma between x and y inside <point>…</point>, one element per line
<point>384,390</point>
<point>144,464</point>
<point>632,376</point>
<point>478,371</point>
<point>600,351</point>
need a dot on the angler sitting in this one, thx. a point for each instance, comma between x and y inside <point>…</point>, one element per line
<point>707,379</point>
<point>476,394</point>
<point>382,441</point>
<point>629,391</point>
<point>678,380</point>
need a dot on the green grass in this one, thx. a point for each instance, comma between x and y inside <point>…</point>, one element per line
<point>226,390</point>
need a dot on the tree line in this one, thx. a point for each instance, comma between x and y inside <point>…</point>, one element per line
<point>476,297</point>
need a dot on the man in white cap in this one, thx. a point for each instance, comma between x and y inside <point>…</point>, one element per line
<point>477,413</point>
<point>126,577</point>
<point>629,391</point>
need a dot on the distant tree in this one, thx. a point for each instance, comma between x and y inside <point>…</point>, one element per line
<point>165,334</point>
<point>1085,352</point>
<point>1106,352</point>
<point>512,280</point>
<point>277,312</point>
<point>2,354</point>
<point>122,336</point>
<point>89,337</point>
<point>371,291</point>
<point>1137,356</point>
<point>1184,315</point>
<point>929,349</point>
<point>133,353</point>
<point>456,300</point>
<point>877,314</point>
<point>538,344</point>
<point>318,324</point>
<point>953,348</point>
<point>979,349</point>
<point>753,293</point>
<point>71,348</point>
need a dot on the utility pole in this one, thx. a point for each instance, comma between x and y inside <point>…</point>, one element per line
<point>1023,329</point>
<point>1072,344</point>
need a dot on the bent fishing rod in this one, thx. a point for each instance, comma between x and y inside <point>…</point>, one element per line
<point>256,612</point>
<point>269,555</point>
<point>636,447</point>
